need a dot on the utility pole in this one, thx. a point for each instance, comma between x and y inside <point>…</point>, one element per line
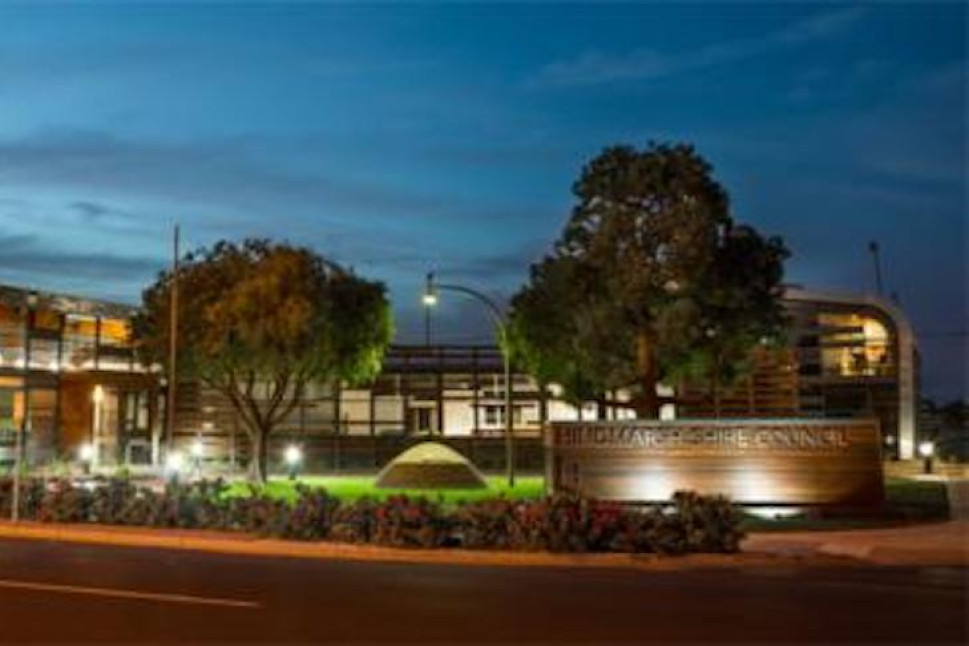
<point>876,259</point>
<point>172,347</point>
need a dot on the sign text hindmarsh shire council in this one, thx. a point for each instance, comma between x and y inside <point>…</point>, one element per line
<point>791,437</point>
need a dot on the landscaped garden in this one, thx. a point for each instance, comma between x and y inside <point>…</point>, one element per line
<point>689,523</point>
<point>351,509</point>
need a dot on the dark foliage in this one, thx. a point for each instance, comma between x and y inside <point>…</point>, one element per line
<point>690,523</point>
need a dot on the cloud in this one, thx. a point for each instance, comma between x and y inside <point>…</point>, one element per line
<point>592,68</point>
<point>29,255</point>
<point>222,173</point>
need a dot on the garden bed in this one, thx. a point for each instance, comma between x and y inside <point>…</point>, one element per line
<point>690,523</point>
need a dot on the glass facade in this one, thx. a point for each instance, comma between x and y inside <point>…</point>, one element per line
<point>56,354</point>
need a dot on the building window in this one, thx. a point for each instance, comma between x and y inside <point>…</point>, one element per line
<point>423,419</point>
<point>853,345</point>
<point>493,416</point>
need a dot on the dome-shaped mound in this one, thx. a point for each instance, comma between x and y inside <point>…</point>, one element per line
<point>430,465</point>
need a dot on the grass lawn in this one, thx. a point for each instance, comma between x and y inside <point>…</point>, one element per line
<point>355,487</point>
<point>905,501</point>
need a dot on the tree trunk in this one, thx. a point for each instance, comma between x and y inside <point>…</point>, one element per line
<point>601,409</point>
<point>647,405</point>
<point>258,464</point>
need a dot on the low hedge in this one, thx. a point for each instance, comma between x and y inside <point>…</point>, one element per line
<point>690,523</point>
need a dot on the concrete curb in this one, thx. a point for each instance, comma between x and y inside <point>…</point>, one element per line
<point>246,545</point>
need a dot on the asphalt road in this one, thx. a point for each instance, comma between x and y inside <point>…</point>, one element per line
<point>76,593</point>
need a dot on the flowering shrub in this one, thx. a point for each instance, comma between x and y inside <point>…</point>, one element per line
<point>691,523</point>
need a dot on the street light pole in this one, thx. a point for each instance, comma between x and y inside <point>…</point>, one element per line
<point>25,414</point>
<point>170,402</point>
<point>431,289</point>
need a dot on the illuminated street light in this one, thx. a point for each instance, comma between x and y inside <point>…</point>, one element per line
<point>891,451</point>
<point>927,450</point>
<point>430,299</point>
<point>174,464</point>
<point>85,453</point>
<point>293,456</point>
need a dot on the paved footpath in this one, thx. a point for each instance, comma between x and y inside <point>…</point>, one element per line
<point>928,544</point>
<point>958,499</point>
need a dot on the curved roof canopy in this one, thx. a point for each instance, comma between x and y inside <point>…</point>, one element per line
<point>430,465</point>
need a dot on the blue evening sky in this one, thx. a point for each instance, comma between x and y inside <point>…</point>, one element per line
<point>400,138</point>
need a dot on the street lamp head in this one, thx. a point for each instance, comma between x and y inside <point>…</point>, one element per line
<point>926,449</point>
<point>429,298</point>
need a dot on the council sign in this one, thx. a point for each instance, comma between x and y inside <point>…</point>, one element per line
<point>782,462</point>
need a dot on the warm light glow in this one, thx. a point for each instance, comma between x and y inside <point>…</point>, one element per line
<point>926,449</point>
<point>752,484</point>
<point>98,395</point>
<point>198,449</point>
<point>429,299</point>
<point>774,512</point>
<point>293,455</point>
<point>654,485</point>
<point>890,440</point>
<point>85,452</point>
<point>174,462</point>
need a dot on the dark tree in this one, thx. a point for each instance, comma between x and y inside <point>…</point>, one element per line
<point>258,321</point>
<point>649,281</point>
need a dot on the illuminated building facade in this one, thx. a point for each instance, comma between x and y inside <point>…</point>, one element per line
<point>69,376</point>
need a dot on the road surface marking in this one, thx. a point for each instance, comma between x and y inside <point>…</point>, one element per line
<point>127,594</point>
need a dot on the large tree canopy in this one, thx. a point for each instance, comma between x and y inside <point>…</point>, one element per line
<point>258,321</point>
<point>651,280</point>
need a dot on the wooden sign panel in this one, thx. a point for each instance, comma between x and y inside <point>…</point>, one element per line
<point>782,461</point>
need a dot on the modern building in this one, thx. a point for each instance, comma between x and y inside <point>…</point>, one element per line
<point>848,355</point>
<point>69,376</point>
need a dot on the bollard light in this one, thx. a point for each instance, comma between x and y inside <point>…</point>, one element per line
<point>173,464</point>
<point>927,450</point>
<point>85,453</point>
<point>293,456</point>
<point>198,450</point>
